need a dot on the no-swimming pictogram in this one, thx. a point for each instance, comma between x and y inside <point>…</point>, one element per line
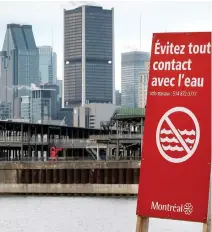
<point>177,135</point>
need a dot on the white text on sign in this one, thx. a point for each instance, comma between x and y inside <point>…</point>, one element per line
<point>181,80</point>
<point>176,49</point>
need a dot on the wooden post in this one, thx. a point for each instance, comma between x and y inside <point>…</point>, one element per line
<point>142,224</point>
<point>207,226</point>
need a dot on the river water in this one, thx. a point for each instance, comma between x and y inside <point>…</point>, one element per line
<point>78,214</point>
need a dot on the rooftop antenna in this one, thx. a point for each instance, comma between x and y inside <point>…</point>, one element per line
<point>52,38</point>
<point>52,53</point>
<point>140,32</point>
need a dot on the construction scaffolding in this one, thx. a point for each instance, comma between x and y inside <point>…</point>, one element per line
<point>126,143</point>
<point>119,139</point>
<point>32,142</point>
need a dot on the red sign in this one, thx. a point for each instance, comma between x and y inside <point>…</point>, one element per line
<point>176,153</point>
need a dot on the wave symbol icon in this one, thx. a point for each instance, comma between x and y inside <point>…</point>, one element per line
<point>184,132</point>
<point>172,148</point>
<point>171,141</point>
<point>174,140</point>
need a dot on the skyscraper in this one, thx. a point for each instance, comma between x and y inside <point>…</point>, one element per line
<point>143,86</point>
<point>47,65</point>
<point>19,65</point>
<point>60,85</point>
<point>88,56</point>
<point>118,98</point>
<point>132,65</point>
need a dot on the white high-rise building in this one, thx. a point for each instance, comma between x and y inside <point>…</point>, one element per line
<point>143,86</point>
<point>132,65</point>
<point>60,85</point>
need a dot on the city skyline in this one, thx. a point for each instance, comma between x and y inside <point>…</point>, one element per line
<point>127,29</point>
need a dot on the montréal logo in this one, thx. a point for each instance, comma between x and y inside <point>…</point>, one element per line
<point>183,208</point>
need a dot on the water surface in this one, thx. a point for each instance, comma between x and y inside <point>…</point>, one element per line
<point>78,214</point>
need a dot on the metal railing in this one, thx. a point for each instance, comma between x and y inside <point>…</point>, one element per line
<point>135,157</point>
<point>69,143</point>
<point>38,140</point>
<point>113,136</point>
<point>44,139</point>
<point>65,159</point>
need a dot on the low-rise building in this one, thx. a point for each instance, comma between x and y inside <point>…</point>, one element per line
<point>40,106</point>
<point>66,116</point>
<point>26,108</point>
<point>91,115</point>
<point>5,110</point>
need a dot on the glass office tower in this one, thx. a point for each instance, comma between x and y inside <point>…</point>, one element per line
<point>88,56</point>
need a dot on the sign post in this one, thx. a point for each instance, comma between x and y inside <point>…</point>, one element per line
<point>207,225</point>
<point>176,155</point>
<point>142,224</point>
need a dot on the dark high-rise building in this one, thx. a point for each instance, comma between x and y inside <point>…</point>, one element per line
<point>19,65</point>
<point>88,56</point>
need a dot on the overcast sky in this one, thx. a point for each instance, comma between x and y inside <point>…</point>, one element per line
<point>155,16</point>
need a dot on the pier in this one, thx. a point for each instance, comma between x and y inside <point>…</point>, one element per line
<point>90,161</point>
<point>77,177</point>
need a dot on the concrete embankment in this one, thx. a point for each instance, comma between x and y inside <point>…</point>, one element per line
<point>75,177</point>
